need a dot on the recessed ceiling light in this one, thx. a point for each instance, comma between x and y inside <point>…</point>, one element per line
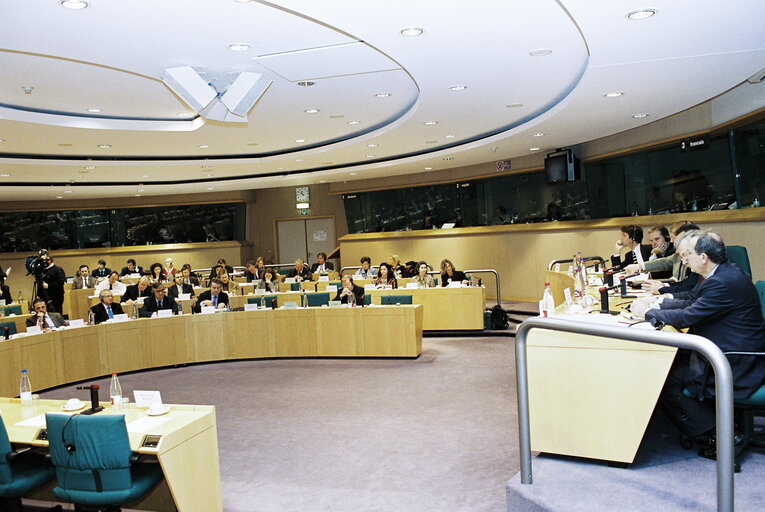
<point>67,191</point>
<point>370,156</point>
<point>238,47</point>
<point>431,123</point>
<point>210,188</point>
<point>298,159</point>
<point>94,110</point>
<point>311,111</point>
<point>371,145</point>
<point>412,31</point>
<point>458,87</point>
<point>428,168</point>
<point>640,115</point>
<point>74,4</point>
<point>138,195</point>
<point>353,122</point>
<point>539,134</point>
<point>533,149</point>
<point>76,176</point>
<point>336,116</point>
<point>280,168</point>
<point>448,158</point>
<point>59,197</point>
<point>90,167</point>
<point>640,14</point>
<point>353,173</point>
<point>450,136</point>
<point>203,146</point>
<point>306,83</point>
<point>614,94</point>
<point>541,52</point>
<point>5,175</point>
<point>2,140</point>
<point>382,95</point>
<point>103,146</point>
<point>207,167</point>
<point>141,190</point>
<point>514,105</point>
<point>299,140</point>
<point>209,174</point>
<point>181,114</point>
<point>322,181</point>
<point>144,176</point>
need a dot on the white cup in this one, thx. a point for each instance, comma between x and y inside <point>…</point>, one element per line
<point>156,408</point>
<point>73,403</point>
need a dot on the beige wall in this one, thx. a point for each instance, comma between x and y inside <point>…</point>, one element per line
<point>520,253</point>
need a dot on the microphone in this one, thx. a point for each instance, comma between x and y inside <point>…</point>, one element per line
<point>94,407</point>
<point>624,288</point>
<point>604,300</point>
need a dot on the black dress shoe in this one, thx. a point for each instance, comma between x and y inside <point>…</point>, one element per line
<point>709,451</point>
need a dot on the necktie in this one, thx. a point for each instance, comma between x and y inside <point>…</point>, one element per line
<point>159,304</point>
<point>110,286</point>
<point>44,323</point>
<point>109,312</point>
<point>215,301</point>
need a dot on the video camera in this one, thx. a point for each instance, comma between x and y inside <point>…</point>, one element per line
<point>36,264</point>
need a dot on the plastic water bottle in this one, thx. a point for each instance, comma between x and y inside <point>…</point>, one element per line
<point>352,299</point>
<point>91,318</point>
<point>115,392</point>
<point>21,297</point>
<point>135,311</point>
<point>180,308</point>
<point>548,303</point>
<point>25,389</point>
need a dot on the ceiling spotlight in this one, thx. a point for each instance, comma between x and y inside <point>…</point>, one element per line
<point>5,175</point>
<point>238,47</point>
<point>59,197</point>
<point>306,83</point>
<point>76,176</point>
<point>640,14</point>
<point>428,168</point>
<point>450,136</point>
<point>353,173</point>
<point>210,188</point>
<point>104,146</point>
<point>67,191</point>
<point>144,176</point>
<point>533,149</point>
<point>458,87</point>
<point>542,52</point>
<point>299,140</point>
<point>141,190</point>
<point>370,156</point>
<point>322,181</point>
<point>74,4</point>
<point>539,134</point>
<point>640,115</point>
<point>27,89</point>
<point>514,105</point>
<point>298,159</point>
<point>90,167</point>
<point>412,31</point>
<point>280,168</point>
<point>311,111</point>
<point>614,94</point>
<point>138,195</point>
<point>207,167</point>
<point>181,114</point>
<point>353,122</point>
<point>2,140</point>
<point>372,145</point>
<point>382,95</point>
<point>209,174</point>
<point>203,146</point>
<point>94,110</point>
<point>431,123</point>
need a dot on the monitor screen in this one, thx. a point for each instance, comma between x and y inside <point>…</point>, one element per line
<point>556,168</point>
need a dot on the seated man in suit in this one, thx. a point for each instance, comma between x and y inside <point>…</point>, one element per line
<point>221,264</point>
<point>188,276</point>
<point>323,265</point>
<point>300,272</point>
<point>131,268</point>
<point>661,247</point>
<point>107,308</point>
<point>157,302</point>
<point>255,269</point>
<point>83,280</point>
<point>113,284</point>
<point>726,311</point>
<point>213,297</point>
<point>46,321</point>
<point>344,293</point>
<point>135,291</point>
<point>179,287</point>
<point>637,253</point>
<point>101,271</point>
<point>671,263</point>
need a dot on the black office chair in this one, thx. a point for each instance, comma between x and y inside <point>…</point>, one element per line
<point>95,466</point>
<point>20,473</point>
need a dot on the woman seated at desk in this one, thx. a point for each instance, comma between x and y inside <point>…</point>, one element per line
<point>156,271</point>
<point>269,282</point>
<point>113,284</point>
<point>228,285</point>
<point>450,275</point>
<point>422,278</point>
<point>395,264</point>
<point>386,279</point>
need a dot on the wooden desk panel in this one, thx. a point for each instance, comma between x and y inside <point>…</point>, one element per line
<point>81,354</point>
<point>389,329</point>
<point>40,355</point>
<point>445,308</point>
<point>207,336</point>
<point>250,334</point>
<point>165,341</point>
<point>337,332</point>
<point>292,329</point>
<point>124,345</point>
<point>10,362</point>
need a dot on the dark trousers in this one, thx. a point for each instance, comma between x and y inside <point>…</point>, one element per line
<point>691,416</point>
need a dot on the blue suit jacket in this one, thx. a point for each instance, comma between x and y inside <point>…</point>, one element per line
<point>726,311</point>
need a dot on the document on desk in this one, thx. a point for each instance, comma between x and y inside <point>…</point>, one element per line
<point>146,424</point>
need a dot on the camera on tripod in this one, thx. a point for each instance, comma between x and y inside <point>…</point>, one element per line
<point>35,265</point>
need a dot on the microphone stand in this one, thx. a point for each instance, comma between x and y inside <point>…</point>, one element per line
<point>94,407</point>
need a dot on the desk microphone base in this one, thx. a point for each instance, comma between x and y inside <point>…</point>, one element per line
<point>92,410</point>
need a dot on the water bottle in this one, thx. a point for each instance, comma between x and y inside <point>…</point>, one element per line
<point>21,297</point>
<point>115,392</point>
<point>91,317</point>
<point>548,303</point>
<point>135,311</point>
<point>180,308</point>
<point>352,299</point>
<point>25,389</point>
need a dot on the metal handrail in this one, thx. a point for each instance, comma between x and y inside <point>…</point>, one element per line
<point>569,260</point>
<point>723,388</point>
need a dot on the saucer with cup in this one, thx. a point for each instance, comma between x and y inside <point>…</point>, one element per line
<point>73,404</point>
<point>157,409</point>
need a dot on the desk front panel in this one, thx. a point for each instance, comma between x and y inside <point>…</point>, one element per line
<point>444,308</point>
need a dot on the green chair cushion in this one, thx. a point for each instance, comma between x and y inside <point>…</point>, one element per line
<point>295,287</point>
<point>24,474</point>
<point>266,300</point>
<point>11,328</point>
<point>395,299</point>
<point>317,299</point>
<point>760,285</point>
<point>739,255</point>
<point>756,399</point>
<point>15,309</point>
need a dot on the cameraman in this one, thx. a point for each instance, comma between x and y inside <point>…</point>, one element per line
<point>51,284</point>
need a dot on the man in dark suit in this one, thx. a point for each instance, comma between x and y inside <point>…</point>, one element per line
<point>255,270</point>
<point>101,271</point>
<point>46,321</point>
<point>727,311</point>
<point>83,280</point>
<point>212,297</point>
<point>637,253</point>
<point>131,268</point>
<point>134,291</point>
<point>344,293</point>
<point>52,281</point>
<point>107,308</point>
<point>158,302</point>
<point>188,276</point>
<point>221,264</point>
<point>179,287</point>
<point>661,247</point>
<point>300,272</point>
<point>323,265</point>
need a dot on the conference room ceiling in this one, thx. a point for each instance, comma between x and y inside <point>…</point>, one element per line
<point>84,112</point>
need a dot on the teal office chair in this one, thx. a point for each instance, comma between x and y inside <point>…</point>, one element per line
<point>20,473</point>
<point>367,299</point>
<point>283,271</point>
<point>267,300</point>
<point>315,300</point>
<point>11,328</point>
<point>339,284</point>
<point>737,254</point>
<point>16,310</point>
<point>760,285</point>
<point>94,463</point>
<point>295,287</point>
<point>395,299</point>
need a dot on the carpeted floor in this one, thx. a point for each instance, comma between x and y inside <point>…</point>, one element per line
<point>436,433</point>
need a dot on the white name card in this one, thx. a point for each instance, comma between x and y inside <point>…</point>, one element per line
<point>120,318</point>
<point>290,305</point>
<point>134,276</point>
<point>35,329</point>
<point>369,286</point>
<point>140,300</point>
<point>323,279</point>
<point>250,307</point>
<point>455,284</point>
<point>184,296</point>
<point>77,323</point>
<point>146,398</point>
<point>259,291</point>
<point>410,286</point>
<point>289,279</point>
<point>567,295</point>
<point>332,288</point>
<point>161,313</point>
<point>206,310</point>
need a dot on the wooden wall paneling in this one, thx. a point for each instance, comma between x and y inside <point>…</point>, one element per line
<point>10,362</point>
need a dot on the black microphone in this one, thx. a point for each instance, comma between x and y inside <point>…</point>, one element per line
<point>94,407</point>
<point>604,300</point>
<point>624,289</point>
<point>657,324</point>
<point>608,277</point>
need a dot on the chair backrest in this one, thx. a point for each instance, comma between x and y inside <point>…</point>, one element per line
<point>5,446</point>
<point>90,453</point>
<point>295,287</point>
<point>738,254</point>
<point>367,299</point>
<point>11,328</point>
<point>266,300</point>
<point>339,284</point>
<point>317,299</point>
<point>395,299</point>
<point>760,285</point>
<point>283,271</point>
<point>15,309</point>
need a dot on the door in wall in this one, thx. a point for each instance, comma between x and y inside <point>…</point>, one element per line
<point>305,238</point>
